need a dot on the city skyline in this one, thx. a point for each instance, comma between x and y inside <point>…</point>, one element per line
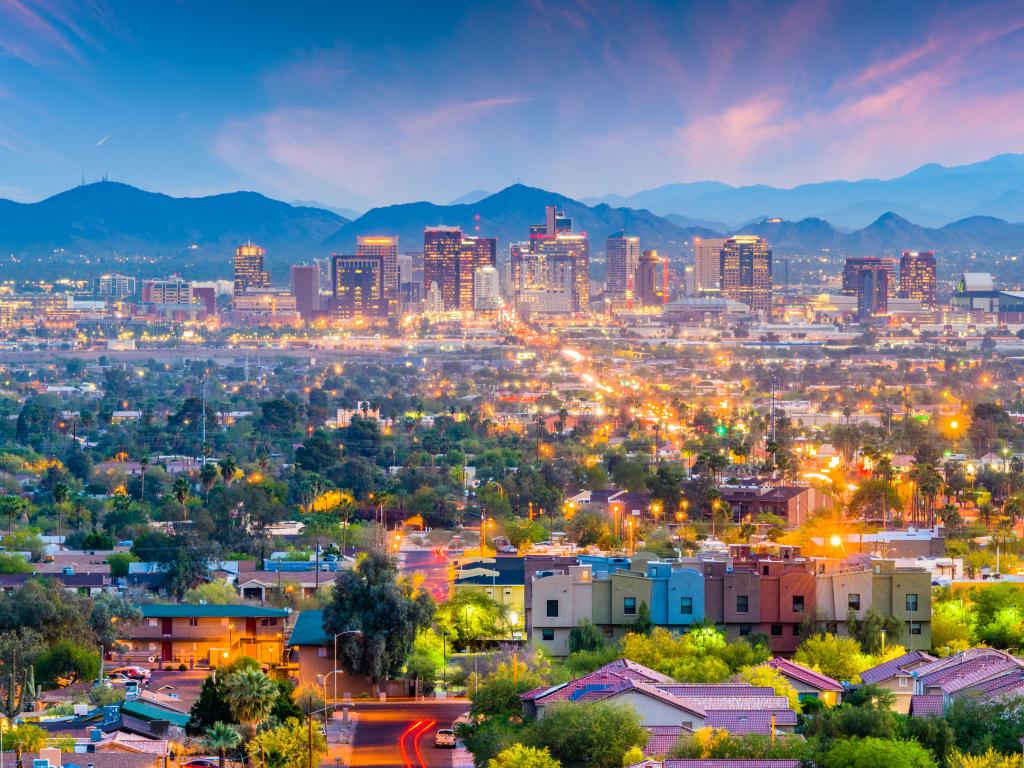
<point>166,98</point>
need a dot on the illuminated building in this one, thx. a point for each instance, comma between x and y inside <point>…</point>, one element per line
<point>387,248</point>
<point>205,295</point>
<point>173,290</point>
<point>851,272</point>
<point>623,257</point>
<point>652,279</point>
<point>441,248</point>
<point>486,289</point>
<point>747,271</point>
<point>250,271</point>
<point>263,307</point>
<point>113,286</point>
<point>306,289</point>
<point>474,253</point>
<point>359,287</point>
<point>707,262</point>
<point>410,280</point>
<point>554,254</point>
<point>872,291</point>
<point>917,277</point>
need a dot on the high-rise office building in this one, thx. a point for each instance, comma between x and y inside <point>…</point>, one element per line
<point>707,262</point>
<point>358,287</point>
<point>441,248</point>
<point>387,248</point>
<point>410,279</point>
<point>917,277</point>
<point>872,291</point>
<point>561,248</point>
<point>851,272</point>
<point>622,253</point>
<point>306,289</point>
<point>474,253</point>
<point>173,290</point>
<point>113,286</point>
<point>747,271</point>
<point>652,279</point>
<point>250,271</point>
<point>486,288</point>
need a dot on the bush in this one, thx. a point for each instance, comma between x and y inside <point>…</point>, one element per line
<point>872,753</point>
<point>594,735</point>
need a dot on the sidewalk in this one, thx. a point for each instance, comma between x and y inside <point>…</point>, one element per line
<point>339,741</point>
<point>461,758</point>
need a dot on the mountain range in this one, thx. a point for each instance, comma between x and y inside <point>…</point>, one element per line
<point>932,195</point>
<point>109,222</point>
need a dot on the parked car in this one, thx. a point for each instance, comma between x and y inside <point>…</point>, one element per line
<point>445,738</point>
<point>201,762</point>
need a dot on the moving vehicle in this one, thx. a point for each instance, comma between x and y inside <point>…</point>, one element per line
<point>445,738</point>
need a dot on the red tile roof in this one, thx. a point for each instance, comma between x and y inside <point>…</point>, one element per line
<point>891,668</point>
<point>740,721</point>
<point>662,738</point>
<point>805,675</point>
<point>927,704</point>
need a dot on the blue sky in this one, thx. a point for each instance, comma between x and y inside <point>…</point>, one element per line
<point>364,104</point>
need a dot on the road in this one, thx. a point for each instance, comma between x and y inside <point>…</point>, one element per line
<point>401,734</point>
<point>433,564</point>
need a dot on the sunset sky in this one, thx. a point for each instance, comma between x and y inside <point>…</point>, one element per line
<point>362,104</point>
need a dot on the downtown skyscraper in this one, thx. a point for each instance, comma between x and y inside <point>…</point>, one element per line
<point>747,271</point>
<point>917,277</point>
<point>249,268</point>
<point>386,247</point>
<point>622,253</point>
<point>441,248</point>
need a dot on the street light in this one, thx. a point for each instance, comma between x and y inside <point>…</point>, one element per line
<point>334,699</point>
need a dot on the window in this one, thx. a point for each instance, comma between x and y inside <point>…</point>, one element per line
<point>911,602</point>
<point>853,601</point>
<point>552,608</point>
<point>193,621</point>
<point>154,623</point>
<point>776,630</point>
<point>832,627</point>
<point>765,570</point>
<point>798,603</point>
<point>745,630</point>
<point>915,627</point>
<point>742,603</point>
<point>796,630</point>
<point>321,652</point>
<point>903,682</point>
<point>547,634</point>
<point>686,606</point>
<point>629,606</point>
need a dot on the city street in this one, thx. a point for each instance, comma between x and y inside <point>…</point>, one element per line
<point>433,564</point>
<point>401,734</point>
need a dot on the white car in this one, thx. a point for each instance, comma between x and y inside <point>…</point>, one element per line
<point>445,738</point>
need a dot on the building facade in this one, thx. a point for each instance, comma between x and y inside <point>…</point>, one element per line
<point>707,262</point>
<point>306,289</point>
<point>652,279</point>
<point>250,269</point>
<point>746,268</point>
<point>622,255</point>
<point>917,277</point>
<point>358,287</point>
<point>386,248</point>
<point>441,248</point>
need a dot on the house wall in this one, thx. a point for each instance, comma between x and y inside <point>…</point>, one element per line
<point>655,712</point>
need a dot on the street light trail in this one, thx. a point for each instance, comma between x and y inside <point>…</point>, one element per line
<point>416,742</point>
<point>401,744</point>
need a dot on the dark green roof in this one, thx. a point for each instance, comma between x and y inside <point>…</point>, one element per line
<point>184,611</point>
<point>150,712</point>
<point>309,629</point>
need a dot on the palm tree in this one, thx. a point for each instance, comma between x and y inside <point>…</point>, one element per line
<point>251,695</point>
<point>182,490</point>
<point>207,477</point>
<point>219,738</point>
<point>227,467</point>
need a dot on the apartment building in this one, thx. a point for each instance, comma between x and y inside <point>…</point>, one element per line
<point>209,635</point>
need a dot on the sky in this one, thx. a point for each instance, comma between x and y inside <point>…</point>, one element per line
<point>370,103</point>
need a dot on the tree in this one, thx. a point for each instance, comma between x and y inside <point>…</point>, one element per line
<point>980,724</point>
<point>251,695</point>
<point>595,735</point>
<point>287,746</point>
<point>214,592</point>
<point>497,696</point>
<point>586,637</point>
<point>387,611</point>
<point>228,468</point>
<point>518,756</point>
<point>869,630</point>
<point>873,752</point>
<point>471,617</point>
<point>277,417</point>
<point>990,759</point>
<point>317,453</point>
<point>643,624</point>
<point>66,662</point>
<point>219,738</point>
<point>838,657</point>
<point>119,562</point>
<point>764,676</point>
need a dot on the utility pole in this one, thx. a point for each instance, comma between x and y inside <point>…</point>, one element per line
<point>204,418</point>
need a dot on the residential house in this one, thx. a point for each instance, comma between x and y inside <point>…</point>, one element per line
<point>500,578</point>
<point>977,673</point>
<point>808,683</point>
<point>208,635</point>
<point>54,758</point>
<point>896,675</point>
<point>311,661</point>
